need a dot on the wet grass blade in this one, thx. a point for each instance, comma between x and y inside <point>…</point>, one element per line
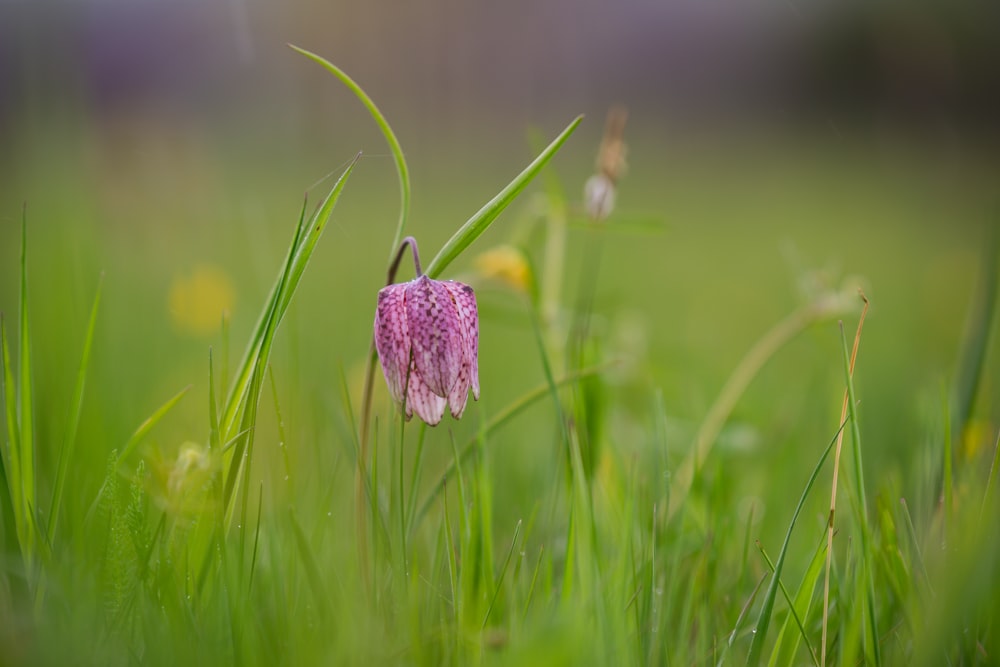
<point>744,612</point>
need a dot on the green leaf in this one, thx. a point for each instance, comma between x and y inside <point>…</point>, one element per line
<point>390,137</point>
<point>299,252</point>
<point>483,218</point>
<point>241,405</point>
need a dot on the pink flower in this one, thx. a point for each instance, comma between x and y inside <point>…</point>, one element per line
<point>427,337</point>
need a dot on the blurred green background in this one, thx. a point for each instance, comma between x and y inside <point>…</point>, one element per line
<point>167,145</point>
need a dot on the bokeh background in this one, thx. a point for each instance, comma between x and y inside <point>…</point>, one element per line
<point>772,146</point>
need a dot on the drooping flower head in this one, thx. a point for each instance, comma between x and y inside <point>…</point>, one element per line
<point>427,337</point>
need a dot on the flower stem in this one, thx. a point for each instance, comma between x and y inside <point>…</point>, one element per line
<point>412,242</point>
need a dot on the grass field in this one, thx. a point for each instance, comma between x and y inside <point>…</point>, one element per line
<point>668,395</point>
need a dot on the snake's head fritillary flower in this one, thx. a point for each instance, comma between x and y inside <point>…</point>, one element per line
<point>427,337</point>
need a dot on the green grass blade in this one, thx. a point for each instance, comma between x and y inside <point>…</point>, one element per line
<point>801,599</point>
<point>307,242</point>
<point>256,537</point>
<point>764,617</point>
<point>25,423</point>
<point>151,421</point>
<point>744,612</point>
<point>503,572</point>
<point>451,556</point>
<point>214,439</point>
<point>397,151</point>
<point>242,452</point>
<point>69,445</point>
<point>12,453</point>
<point>245,394</point>
<point>803,603</point>
<point>313,575</point>
<point>238,391</point>
<point>418,464</point>
<point>862,506</point>
<point>498,420</point>
<point>483,218</point>
<point>299,252</point>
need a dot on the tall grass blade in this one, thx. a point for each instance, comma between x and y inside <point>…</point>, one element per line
<point>503,572</point>
<point>25,399</point>
<point>764,617</point>
<point>12,507</point>
<point>238,391</point>
<point>867,548</point>
<point>834,485</point>
<point>245,393</point>
<point>483,218</point>
<point>69,444</point>
<point>802,599</point>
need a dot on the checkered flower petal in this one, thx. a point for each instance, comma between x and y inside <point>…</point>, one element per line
<point>421,400</point>
<point>392,339</point>
<point>427,337</point>
<point>435,334</point>
<point>468,321</point>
